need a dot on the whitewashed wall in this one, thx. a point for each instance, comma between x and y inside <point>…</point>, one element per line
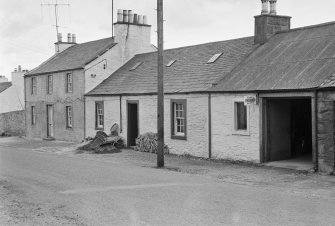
<point>225,144</point>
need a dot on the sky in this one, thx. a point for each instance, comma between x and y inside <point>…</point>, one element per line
<point>27,36</point>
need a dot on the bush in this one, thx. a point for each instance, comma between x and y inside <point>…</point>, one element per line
<point>148,143</point>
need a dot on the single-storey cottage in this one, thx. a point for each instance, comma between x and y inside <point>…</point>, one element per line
<point>54,91</point>
<point>264,98</point>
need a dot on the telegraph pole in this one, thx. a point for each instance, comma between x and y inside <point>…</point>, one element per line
<point>160,86</point>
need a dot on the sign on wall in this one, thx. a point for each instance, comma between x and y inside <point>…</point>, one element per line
<point>250,100</point>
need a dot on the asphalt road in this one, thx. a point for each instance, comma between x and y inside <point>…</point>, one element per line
<point>42,188</point>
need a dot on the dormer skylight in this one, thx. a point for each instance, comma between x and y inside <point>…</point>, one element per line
<point>170,63</point>
<point>214,58</point>
<point>136,66</point>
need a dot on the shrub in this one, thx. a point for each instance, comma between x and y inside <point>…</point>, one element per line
<point>148,143</point>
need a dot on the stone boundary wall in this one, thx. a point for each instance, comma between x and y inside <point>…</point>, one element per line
<point>13,123</point>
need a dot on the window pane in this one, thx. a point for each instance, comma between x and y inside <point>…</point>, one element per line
<point>241,117</point>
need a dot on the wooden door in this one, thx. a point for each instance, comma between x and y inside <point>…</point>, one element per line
<point>50,121</point>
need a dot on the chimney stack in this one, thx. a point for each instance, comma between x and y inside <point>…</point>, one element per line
<point>265,7</point>
<point>273,7</point>
<point>268,24</point>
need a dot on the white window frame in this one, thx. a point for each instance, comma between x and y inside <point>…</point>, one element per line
<point>69,117</point>
<point>69,82</point>
<point>235,131</point>
<point>178,113</point>
<point>99,115</point>
<point>50,84</point>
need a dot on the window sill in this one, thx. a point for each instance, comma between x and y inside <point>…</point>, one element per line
<point>241,133</point>
<point>69,128</point>
<point>175,137</point>
<point>100,129</point>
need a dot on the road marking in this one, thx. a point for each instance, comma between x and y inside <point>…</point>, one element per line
<point>128,187</point>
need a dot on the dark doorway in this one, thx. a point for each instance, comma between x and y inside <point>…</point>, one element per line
<point>289,129</point>
<point>132,107</point>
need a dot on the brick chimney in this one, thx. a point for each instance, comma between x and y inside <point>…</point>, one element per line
<point>269,23</point>
<point>60,46</point>
<point>132,34</point>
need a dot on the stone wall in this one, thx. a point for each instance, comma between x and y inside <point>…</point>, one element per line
<point>12,123</point>
<point>59,99</point>
<point>326,131</point>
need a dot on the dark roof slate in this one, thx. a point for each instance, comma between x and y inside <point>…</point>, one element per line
<point>75,57</point>
<point>302,58</point>
<point>4,86</point>
<point>190,72</point>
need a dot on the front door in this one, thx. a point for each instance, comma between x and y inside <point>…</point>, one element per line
<point>50,121</point>
<point>132,123</point>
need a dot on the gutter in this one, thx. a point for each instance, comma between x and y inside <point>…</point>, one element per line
<point>52,72</point>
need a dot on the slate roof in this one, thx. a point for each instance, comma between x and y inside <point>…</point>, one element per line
<point>75,57</point>
<point>190,72</point>
<point>302,58</point>
<point>4,86</point>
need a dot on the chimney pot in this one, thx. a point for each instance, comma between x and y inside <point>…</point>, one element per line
<point>140,19</point>
<point>265,7</point>
<point>68,37</point>
<point>19,68</point>
<point>273,7</point>
<point>145,19</point>
<point>135,18</point>
<point>125,16</point>
<point>119,15</point>
<point>130,16</point>
<point>74,40</point>
<point>59,37</point>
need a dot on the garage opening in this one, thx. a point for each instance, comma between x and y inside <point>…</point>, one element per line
<point>289,131</point>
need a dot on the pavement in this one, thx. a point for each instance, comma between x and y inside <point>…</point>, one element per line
<point>50,183</point>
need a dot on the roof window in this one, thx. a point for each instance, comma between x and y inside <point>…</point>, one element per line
<point>170,63</point>
<point>214,58</point>
<point>136,66</point>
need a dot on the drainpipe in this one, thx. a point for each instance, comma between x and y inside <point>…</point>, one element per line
<point>209,125</point>
<point>121,114</point>
<point>316,154</point>
<point>84,117</point>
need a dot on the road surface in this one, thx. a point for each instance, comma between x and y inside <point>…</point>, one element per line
<point>43,188</point>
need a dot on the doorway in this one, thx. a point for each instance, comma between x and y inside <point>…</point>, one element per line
<point>288,130</point>
<point>132,109</point>
<point>50,121</point>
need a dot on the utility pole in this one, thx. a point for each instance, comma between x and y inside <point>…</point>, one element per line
<point>112,18</point>
<point>160,86</point>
